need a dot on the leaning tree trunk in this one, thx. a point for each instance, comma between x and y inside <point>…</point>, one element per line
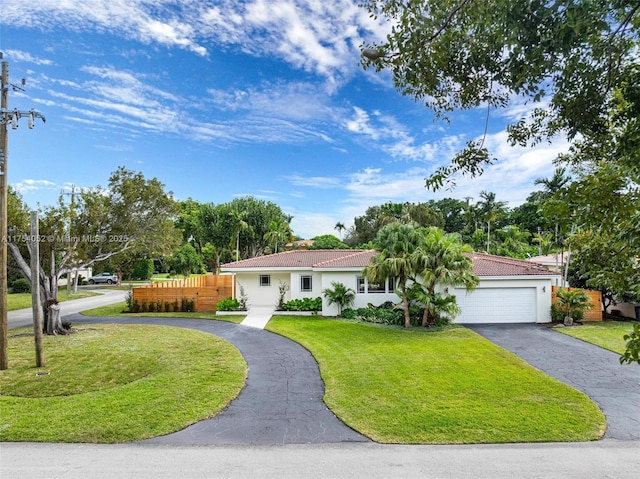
<point>50,305</point>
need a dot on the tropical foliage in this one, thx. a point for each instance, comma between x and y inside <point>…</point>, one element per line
<point>339,294</point>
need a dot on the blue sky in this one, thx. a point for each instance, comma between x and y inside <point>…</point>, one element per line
<point>220,99</point>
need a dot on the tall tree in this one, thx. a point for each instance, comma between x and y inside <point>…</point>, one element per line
<point>439,260</point>
<point>340,228</point>
<point>396,244</point>
<point>133,214</point>
<point>490,209</point>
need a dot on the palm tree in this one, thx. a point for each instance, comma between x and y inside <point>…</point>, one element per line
<point>340,228</point>
<point>440,261</point>
<point>340,295</point>
<point>396,243</point>
<point>490,208</point>
<point>554,184</point>
<point>279,231</point>
<point>240,224</point>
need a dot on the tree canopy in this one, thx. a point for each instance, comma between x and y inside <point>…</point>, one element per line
<point>131,215</point>
<point>566,57</point>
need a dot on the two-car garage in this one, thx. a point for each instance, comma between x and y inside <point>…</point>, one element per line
<point>510,291</point>
<point>497,305</point>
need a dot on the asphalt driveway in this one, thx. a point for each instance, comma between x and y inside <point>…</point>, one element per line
<point>587,368</point>
<point>281,402</point>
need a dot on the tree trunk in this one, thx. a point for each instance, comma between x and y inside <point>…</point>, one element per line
<point>405,302</point>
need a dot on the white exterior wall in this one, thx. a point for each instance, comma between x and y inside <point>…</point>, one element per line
<point>262,295</point>
<point>295,285</point>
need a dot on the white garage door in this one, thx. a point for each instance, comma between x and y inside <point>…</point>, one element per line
<point>497,305</point>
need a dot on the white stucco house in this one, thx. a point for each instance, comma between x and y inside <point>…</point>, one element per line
<point>510,290</point>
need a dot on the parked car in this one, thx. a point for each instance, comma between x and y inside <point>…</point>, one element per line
<point>108,278</point>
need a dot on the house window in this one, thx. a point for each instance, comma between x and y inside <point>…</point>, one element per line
<point>364,286</point>
<point>265,280</point>
<point>306,283</point>
<point>376,287</point>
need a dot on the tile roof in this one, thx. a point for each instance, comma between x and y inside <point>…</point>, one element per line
<point>483,264</point>
<point>330,258</point>
<point>490,265</point>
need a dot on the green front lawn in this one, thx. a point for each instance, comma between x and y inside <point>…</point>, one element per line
<point>607,334</point>
<point>116,310</point>
<point>23,300</point>
<point>115,383</point>
<point>451,386</point>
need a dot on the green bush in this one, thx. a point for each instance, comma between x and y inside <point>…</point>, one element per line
<point>386,315</point>
<point>187,305</point>
<point>228,304</point>
<point>304,304</point>
<point>557,315</point>
<point>20,285</point>
<point>142,269</point>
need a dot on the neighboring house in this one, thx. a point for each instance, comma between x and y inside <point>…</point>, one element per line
<point>510,290</point>
<point>553,262</point>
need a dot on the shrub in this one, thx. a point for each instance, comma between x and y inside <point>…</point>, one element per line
<point>243,299</point>
<point>129,300</point>
<point>135,306</point>
<point>176,307</point>
<point>228,304</point>
<point>152,307</point>
<point>387,314</point>
<point>557,315</point>
<point>167,307</point>
<point>20,285</point>
<point>187,305</point>
<point>143,307</point>
<point>159,305</point>
<point>304,304</point>
<point>282,291</point>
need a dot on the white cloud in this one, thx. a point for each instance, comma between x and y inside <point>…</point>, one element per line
<point>27,185</point>
<point>26,57</point>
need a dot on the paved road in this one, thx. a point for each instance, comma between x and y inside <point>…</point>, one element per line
<point>24,317</point>
<point>281,402</point>
<point>588,368</point>
<point>595,460</point>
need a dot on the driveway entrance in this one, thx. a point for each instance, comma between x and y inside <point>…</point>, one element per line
<point>583,366</point>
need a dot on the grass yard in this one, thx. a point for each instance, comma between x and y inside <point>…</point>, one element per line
<point>115,310</point>
<point>607,334</point>
<point>115,383</point>
<point>23,300</point>
<point>445,387</point>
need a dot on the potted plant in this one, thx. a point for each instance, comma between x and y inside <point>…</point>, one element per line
<point>572,302</point>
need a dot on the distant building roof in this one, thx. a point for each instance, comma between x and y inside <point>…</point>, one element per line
<point>483,264</point>
<point>550,259</point>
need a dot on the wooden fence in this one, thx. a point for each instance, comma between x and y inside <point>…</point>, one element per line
<point>595,297</point>
<point>204,291</point>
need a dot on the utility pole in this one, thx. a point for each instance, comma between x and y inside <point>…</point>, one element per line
<point>7,116</point>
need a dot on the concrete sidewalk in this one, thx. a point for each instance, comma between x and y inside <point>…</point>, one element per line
<point>258,317</point>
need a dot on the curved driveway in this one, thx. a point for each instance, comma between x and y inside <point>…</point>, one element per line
<point>588,368</point>
<point>281,402</point>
